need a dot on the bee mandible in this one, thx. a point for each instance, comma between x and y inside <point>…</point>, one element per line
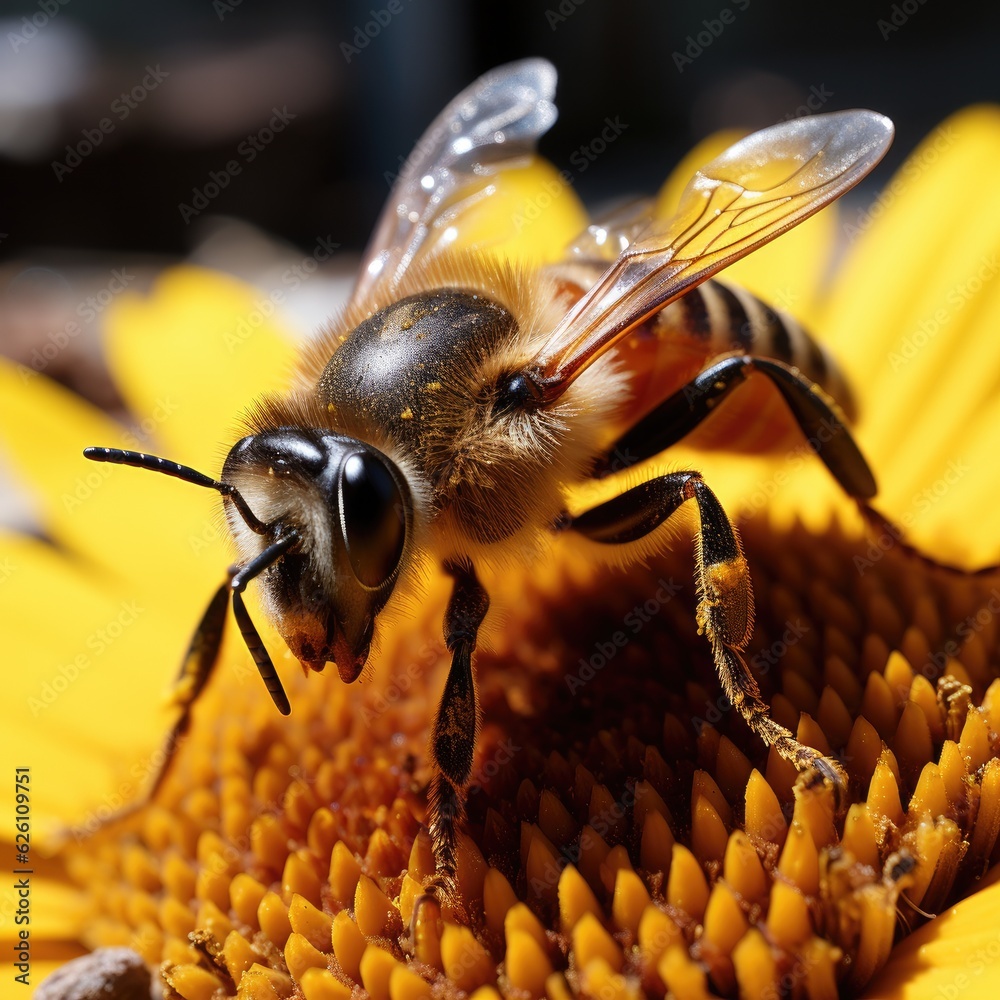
<point>450,409</point>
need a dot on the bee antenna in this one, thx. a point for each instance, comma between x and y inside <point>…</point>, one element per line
<point>138,459</point>
<point>238,582</point>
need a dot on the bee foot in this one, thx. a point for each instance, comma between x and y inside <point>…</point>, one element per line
<point>825,774</point>
<point>425,924</point>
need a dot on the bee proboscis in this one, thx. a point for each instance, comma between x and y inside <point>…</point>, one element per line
<point>340,487</point>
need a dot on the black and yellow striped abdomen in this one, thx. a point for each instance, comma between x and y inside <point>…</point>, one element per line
<point>714,319</point>
<point>727,318</point>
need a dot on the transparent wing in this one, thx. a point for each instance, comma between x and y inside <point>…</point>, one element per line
<point>612,233</point>
<point>493,122</point>
<point>761,186</point>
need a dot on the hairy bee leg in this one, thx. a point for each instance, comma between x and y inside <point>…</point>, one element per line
<point>196,669</point>
<point>453,742</point>
<point>815,413</point>
<point>725,599</point>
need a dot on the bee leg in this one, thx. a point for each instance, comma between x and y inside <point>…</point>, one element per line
<point>453,742</point>
<point>196,668</point>
<point>725,599</point>
<point>816,414</point>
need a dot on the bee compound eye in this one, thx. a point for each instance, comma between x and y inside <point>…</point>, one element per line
<point>372,517</point>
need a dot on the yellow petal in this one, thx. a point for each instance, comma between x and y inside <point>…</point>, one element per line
<point>192,355</point>
<point>68,688</point>
<point>525,214</point>
<point>955,955</point>
<point>914,305</point>
<point>120,519</point>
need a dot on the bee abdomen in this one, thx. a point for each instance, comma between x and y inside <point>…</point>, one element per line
<point>727,318</point>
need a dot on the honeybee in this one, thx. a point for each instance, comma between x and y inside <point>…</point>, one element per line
<point>447,413</point>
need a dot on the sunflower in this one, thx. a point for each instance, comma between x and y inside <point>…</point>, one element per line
<point>627,835</point>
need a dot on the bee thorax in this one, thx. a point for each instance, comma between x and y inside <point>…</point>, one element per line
<point>424,373</point>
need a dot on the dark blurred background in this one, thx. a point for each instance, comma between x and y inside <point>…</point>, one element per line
<point>362,79</point>
<point>239,134</point>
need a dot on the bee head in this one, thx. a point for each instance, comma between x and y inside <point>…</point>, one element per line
<point>345,508</point>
